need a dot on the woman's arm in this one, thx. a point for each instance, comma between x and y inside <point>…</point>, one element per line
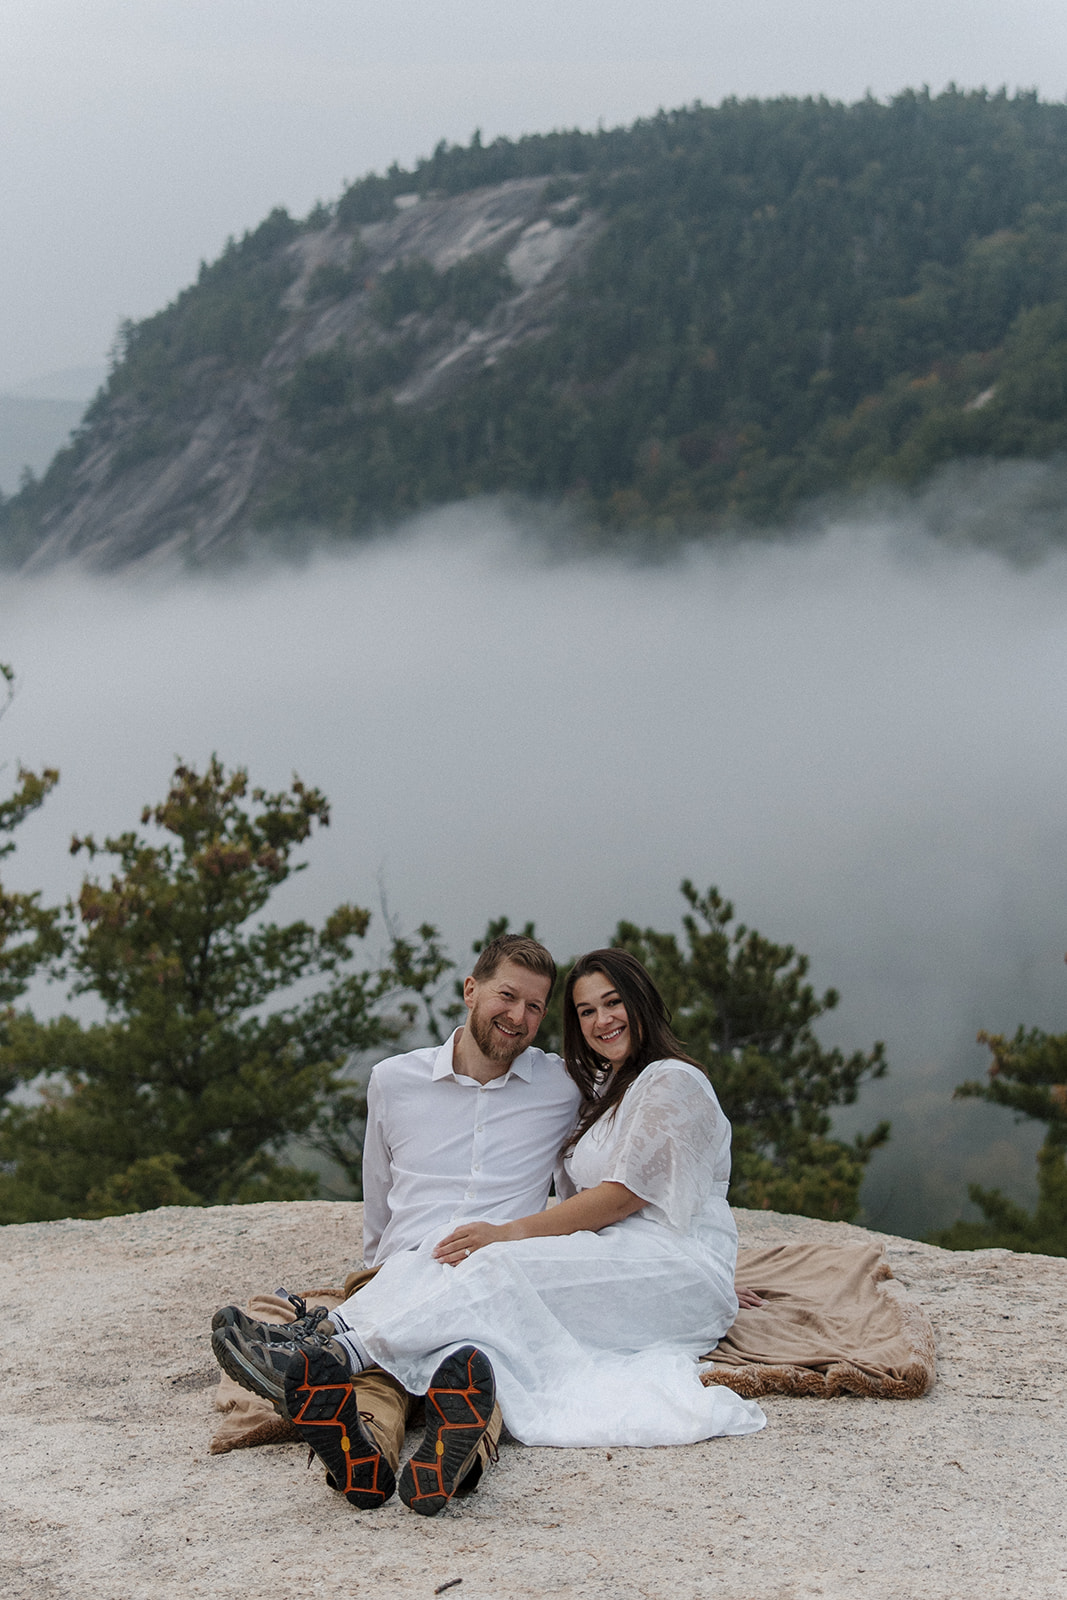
<point>588,1211</point>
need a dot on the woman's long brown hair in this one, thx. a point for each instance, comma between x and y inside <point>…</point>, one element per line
<point>650,1033</point>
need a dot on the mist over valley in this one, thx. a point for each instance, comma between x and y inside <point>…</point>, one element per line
<point>855,735</point>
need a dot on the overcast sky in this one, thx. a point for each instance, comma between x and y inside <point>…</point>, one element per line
<point>138,134</point>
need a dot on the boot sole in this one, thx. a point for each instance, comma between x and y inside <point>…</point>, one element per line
<point>321,1401</point>
<point>459,1404</point>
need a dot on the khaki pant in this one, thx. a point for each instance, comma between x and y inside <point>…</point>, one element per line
<point>386,1408</point>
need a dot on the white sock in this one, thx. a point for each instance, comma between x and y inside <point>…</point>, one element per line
<point>351,1343</point>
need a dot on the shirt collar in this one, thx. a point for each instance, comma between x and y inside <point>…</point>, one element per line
<point>443,1067</point>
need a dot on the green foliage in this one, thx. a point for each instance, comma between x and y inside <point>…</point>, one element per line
<point>466,292</point>
<point>788,297</point>
<point>335,280</point>
<point>323,382</point>
<point>319,397</point>
<point>371,199</point>
<point>742,1006</point>
<point>411,285</point>
<point>1028,1074</point>
<point>168,369</point>
<point>190,1088</point>
<point>416,968</point>
<point>145,1184</point>
<point>29,932</point>
<point>228,319</point>
<point>332,282</point>
<point>785,299</point>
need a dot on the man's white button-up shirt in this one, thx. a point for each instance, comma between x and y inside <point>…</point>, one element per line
<point>442,1148</point>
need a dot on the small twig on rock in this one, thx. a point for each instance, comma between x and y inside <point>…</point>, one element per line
<point>451,1584</point>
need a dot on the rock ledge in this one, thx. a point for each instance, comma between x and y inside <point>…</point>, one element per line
<point>110,1494</point>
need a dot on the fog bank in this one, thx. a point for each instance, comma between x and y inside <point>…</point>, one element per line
<point>858,738</point>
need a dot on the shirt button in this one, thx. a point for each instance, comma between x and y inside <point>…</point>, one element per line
<point>477,1166</point>
<point>470,1194</point>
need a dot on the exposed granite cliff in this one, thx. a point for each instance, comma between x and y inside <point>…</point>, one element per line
<point>187,477</point>
<point>682,328</point>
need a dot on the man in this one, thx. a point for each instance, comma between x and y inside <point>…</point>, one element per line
<point>470,1129</point>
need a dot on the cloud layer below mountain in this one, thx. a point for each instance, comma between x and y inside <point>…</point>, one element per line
<point>857,736</point>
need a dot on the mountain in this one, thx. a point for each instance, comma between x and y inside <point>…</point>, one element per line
<point>31,431</point>
<point>699,321</point>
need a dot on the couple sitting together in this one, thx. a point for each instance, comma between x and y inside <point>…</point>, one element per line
<point>577,1325</point>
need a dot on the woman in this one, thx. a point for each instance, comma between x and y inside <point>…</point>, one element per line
<point>594,1312</point>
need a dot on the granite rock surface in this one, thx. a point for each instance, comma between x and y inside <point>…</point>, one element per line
<point>109,1492</point>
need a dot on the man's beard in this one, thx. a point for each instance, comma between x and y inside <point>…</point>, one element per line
<point>494,1045</point>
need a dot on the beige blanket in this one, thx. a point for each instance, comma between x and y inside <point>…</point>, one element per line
<point>249,1420</point>
<point>835,1321</point>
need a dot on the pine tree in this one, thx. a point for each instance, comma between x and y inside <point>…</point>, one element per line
<point>190,1087</point>
<point>741,1005</point>
<point>1029,1074</point>
<point>743,1008</point>
<point>29,934</point>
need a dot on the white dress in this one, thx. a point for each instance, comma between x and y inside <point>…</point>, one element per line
<point>593,1337</point>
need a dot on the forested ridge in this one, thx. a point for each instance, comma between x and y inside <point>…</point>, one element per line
<point>777,300</point>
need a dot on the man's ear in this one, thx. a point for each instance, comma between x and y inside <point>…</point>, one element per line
<point>469,987</point>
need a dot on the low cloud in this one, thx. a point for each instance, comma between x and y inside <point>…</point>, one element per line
<point>858,736</point>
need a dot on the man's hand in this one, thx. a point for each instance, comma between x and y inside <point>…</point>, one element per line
<point>749,1300</point>
<point>471,1236</point>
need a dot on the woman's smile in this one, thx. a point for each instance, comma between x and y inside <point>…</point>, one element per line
<point>603,1018</point>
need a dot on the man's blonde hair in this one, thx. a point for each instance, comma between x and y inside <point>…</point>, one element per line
<point>521,949</point>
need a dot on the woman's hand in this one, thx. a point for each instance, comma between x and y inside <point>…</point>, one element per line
<point>469,1237</point>
<point>585,1212</point>
<point>749,1300</point>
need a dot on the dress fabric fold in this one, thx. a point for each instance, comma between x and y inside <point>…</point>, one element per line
<point>594,1338</point>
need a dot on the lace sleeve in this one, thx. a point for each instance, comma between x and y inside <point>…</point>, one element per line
<point>671,1142</point>
<point>562,1181</point>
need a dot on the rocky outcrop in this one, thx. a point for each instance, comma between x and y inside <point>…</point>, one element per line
<point>110,1492</point>
<point>190,482</point>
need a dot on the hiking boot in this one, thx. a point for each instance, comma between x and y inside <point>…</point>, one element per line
<point>459,1405</point>
<point>320,1399</point>
<point>260,1364</point>
<point>307,1322</point>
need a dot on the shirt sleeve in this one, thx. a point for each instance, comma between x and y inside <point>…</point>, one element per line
<point>561,1181</point>
<point>671,1144</point>
<point>377,1174</point>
